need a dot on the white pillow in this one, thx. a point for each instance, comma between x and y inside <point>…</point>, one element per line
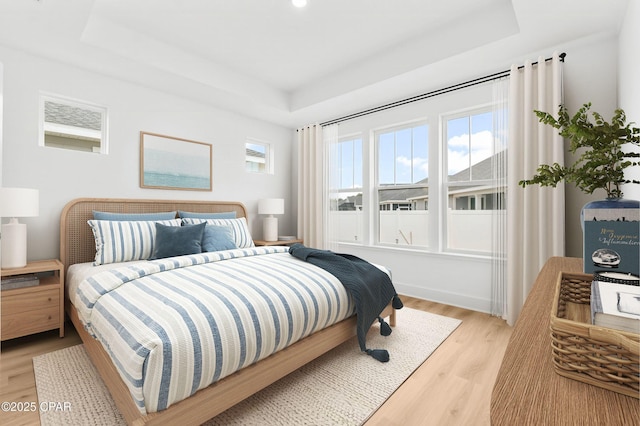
<point>239,228</point>
<point>122,241</point>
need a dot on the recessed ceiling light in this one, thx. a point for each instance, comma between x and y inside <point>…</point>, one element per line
<point>299,3</point>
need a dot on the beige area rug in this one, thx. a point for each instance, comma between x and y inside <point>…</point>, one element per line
<point>342,387</point>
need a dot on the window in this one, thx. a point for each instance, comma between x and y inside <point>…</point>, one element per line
<point>72,124</point>
<point>346,189</point>
<point>470,186</point>
<point>402,184</point>
<point>427,175</point>
<point>258,157</point>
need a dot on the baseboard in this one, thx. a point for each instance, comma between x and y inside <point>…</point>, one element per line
<point>448,298</point>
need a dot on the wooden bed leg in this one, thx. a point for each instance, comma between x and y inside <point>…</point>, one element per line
<point>392,318</point>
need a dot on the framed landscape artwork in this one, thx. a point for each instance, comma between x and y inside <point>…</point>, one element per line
<point>167,162</point>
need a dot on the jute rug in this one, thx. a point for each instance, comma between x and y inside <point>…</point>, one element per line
<point>342,387</point>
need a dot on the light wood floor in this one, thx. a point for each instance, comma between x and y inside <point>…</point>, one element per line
<point>453,387</point>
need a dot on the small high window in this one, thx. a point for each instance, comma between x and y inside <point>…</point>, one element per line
<point>72,124</point>
<point>258,157</point>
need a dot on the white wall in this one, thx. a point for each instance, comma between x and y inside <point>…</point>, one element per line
<point>62,175</point>
<point>629,80</point>
<point>590,75</point>
<point>1,119</point>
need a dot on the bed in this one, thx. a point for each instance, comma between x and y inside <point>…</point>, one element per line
<point>78,249</point>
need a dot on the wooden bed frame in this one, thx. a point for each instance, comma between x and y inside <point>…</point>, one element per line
<point>77,245</point>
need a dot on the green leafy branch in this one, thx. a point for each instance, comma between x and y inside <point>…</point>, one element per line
<point>602,163</point>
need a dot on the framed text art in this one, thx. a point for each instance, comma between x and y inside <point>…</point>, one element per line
<point>167,162</point>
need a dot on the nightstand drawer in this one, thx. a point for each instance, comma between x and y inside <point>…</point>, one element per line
<point>28,310</point>
<point>21,324</point>
<point>42,299</point>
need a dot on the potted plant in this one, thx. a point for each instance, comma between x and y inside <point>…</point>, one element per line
<point>600,165</point>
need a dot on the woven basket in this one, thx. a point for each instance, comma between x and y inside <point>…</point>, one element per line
<point>592,354</point>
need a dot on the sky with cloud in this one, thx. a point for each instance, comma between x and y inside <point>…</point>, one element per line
<point>403,154</point>
<point>469,141</point>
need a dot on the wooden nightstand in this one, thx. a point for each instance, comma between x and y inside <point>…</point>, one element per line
<point>276,243</point>
<point>34,309</point>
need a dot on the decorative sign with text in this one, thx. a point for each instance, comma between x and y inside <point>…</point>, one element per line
<point>612,240</point>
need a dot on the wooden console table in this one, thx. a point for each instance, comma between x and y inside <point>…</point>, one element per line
<point>529,392</point>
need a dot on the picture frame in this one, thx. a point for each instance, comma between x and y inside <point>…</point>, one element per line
<point>167,162</point>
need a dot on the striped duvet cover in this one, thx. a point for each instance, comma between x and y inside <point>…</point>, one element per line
<point>174,326</point>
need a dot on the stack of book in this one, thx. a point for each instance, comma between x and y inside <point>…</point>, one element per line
<point>19,281</point>
<point>615,305</point>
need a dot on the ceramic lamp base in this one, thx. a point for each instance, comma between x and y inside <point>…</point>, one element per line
<point>14,245</point>
<point>270,228</point>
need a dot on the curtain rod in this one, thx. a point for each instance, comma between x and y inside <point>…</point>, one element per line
<point>433,93</point>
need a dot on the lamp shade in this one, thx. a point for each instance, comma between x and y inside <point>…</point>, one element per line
<point>271,206</point>
<point>19,202</point>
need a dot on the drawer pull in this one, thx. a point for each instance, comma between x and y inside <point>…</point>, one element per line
<point>49,317</point>
<point>49,299</point>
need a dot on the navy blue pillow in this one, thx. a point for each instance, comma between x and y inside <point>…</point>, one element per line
<point>177,240</point>
<point>217,238</point>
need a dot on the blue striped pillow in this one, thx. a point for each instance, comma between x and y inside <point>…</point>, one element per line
<point>122,241</point>
<point>239,228</point>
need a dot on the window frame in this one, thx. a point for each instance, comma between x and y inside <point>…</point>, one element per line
<point>268,156</point>
<point>351,137</point>
<point>376,187</point>
<point>448,186</point>
<point>74,132</point>
<point>428,110</point>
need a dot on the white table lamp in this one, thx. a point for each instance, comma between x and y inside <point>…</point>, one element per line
<point>15,203</point>
<point>271,206</point>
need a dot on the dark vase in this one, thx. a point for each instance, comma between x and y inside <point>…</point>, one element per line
<point>611,235</point>
<point>609,203</point>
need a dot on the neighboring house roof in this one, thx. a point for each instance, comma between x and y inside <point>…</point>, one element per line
<point>72,116</point>
<point>386,195</point>
<point>355,199</point>
<point>349,203</point>
<point>254,153</point>
<point>480,171</point>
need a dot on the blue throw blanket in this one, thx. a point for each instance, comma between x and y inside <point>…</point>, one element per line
<point>371,289</point>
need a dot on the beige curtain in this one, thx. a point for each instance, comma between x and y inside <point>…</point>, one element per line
<point>535,218</point>
<point>311,187</point>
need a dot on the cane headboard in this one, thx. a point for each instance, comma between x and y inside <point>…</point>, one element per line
<point>77,244</point>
